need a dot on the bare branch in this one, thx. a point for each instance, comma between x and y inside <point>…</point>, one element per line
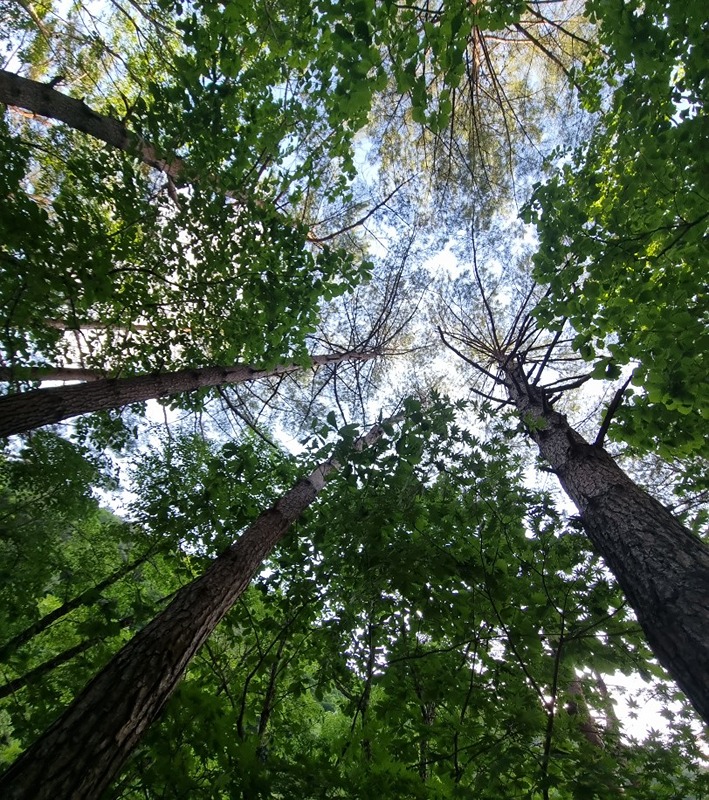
<point>564,384</point>
<point>610,413</point>
<point>320,239</point>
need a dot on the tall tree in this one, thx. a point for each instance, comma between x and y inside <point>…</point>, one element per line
<point>131,307</point>
<point>140,679</point>
<point>424,639</point>
<point>662,567</point>
<point>26,411</point>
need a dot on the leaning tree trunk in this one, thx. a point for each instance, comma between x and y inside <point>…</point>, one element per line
<point>660,565</point>
<point>26,411</point>
<point>14,374</point>
<point>79,755</point>
<point>43,99</point>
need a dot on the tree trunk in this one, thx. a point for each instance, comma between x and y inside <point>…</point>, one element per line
<point>26,411</point>
<point>85,598</point>
<point>660,565</point>
<point>578,707</point>
<point>270,696</point>
<point>42,99</point>
<point>79,755</point>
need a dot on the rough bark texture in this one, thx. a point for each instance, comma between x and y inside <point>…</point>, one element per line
<point>660,565</point>
<point>29,410</point>
<point>42,99</point>
<point>81,753</point>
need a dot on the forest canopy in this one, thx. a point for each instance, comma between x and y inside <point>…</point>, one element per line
<point>354,399</point>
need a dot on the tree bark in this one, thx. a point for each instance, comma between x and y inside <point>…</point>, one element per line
<point>578,707</point>
<point>79,755</point>
<point>660,565</point>
<point>26,411</point>
<point>42,99</point>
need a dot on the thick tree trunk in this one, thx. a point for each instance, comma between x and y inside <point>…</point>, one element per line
<point>42,99</point>
<point>81,753</point>
<point>26,411</point>
<point>660,565</point>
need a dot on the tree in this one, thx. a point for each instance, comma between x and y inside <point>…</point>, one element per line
<point>439,629</point>
<point>150,666</point>
<point>621,227</point>
<point>42,99</point>
<point>457,588</point>
<point>141,301</point>
<point>622,224</point>
<point>662,567</point>
<point>618,255</point>
<point>29,410</point>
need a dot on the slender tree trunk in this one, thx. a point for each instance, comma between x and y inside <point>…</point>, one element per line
<point>660,565</point>
<point>85,598</point>
<point>42,99</point>
<point>26,411</point>
<point>46,667</point>
<point>79,755</point>
<point>270,696</point>
<point>56,661</point>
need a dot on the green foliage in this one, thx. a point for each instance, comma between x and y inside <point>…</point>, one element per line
<point>433,628</point>
<point>202,494</point>
<point>106,265</point>
<point>623,223</point>
<point>56,545</point>
<point>418,635</point>
<point>44,490</point>
<point>406,643</point>
<point>157,288</point>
